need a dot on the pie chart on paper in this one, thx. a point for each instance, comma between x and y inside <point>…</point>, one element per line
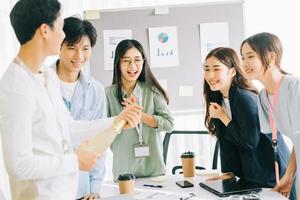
<point>163,37</point>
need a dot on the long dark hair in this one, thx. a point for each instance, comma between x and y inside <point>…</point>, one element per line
<point>146,75</point>
<point>228,57</point>
<point>263,44</point>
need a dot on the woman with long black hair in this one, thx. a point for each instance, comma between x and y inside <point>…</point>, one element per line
<point>138,151</point>
<point>232,116</point>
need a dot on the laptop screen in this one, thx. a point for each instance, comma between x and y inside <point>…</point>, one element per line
<point>228,187</point>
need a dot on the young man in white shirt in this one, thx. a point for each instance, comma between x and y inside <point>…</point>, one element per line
<point>35,126</point>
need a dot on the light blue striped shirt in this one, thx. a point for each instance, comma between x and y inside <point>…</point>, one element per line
<point>88,103</point>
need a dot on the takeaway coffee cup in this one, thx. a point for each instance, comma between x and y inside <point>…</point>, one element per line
<point>126,183</point>
<point>188,164</point>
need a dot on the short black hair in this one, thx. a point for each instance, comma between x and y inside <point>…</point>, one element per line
<point>28,15</point>
<point>75,28</point>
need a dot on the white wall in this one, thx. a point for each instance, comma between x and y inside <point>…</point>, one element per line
<point>281,18</point>
<point>9,45</point>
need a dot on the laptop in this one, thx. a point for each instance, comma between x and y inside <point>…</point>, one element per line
<point>224,188</point>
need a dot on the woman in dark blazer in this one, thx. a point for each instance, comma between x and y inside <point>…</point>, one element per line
<point>232,116</point>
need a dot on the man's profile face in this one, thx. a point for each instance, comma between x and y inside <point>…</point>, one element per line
<point>74,56</point>
<point>55,36</point>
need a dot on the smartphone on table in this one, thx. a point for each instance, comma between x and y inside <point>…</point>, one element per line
<point>184,184</point>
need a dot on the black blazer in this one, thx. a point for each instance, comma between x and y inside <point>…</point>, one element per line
<point>244,150</point>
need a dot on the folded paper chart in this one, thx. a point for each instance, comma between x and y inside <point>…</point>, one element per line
<point>103,140</point>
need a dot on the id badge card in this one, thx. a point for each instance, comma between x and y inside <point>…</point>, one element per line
<point>141,151</point>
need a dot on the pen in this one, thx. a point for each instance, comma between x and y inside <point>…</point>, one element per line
<point>188,197</point>
<point>156,186</point>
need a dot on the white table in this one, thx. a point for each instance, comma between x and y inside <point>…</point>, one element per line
<point>111,189</point>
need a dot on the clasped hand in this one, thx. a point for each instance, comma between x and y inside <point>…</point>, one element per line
<point>131,113</point>
<point>215,110</point>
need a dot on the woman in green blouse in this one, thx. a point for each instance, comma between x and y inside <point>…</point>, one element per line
<point>138,150</point>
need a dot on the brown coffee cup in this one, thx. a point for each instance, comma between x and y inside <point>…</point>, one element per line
<point>126,183</point>
<point>188,164</point>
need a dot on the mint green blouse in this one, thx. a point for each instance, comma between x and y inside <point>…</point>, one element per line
<point>124,160</point>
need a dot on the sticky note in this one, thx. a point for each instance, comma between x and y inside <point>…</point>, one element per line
<point>92,14</point>
<point>186,91</point>
<point>163,10</point>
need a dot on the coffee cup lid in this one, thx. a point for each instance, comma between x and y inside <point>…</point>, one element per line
<point>126,177</point>
<point>188,154</point>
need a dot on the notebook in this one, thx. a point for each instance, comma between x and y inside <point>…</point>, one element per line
<point>224,188</point>
<point>118,197</point>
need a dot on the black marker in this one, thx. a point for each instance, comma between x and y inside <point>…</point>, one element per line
<point>156,186</point>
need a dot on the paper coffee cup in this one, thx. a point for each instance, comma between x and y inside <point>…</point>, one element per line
<point>126,183</point>
<point>188,164</point>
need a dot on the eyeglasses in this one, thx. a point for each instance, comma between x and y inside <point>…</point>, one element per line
<point>127,62</point>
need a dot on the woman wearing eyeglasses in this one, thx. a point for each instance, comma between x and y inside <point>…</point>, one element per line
<point>138,150</point>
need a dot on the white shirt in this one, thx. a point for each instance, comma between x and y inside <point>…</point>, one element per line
<point>33,123</point>
<point>2,197</point>
<point>226,106</point>
<point>4,190</point>
<point>68,89</point>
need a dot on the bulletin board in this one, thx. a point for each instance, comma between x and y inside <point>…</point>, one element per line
<point>189,73</point>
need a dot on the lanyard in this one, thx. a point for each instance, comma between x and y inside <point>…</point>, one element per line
<point>64,143</point>
<point>139,127</point>
<point>273,127</point>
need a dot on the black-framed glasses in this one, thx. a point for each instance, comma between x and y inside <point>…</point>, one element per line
<point>127,61</point>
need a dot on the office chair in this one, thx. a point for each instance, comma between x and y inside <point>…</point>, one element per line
<point>166,142</point>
